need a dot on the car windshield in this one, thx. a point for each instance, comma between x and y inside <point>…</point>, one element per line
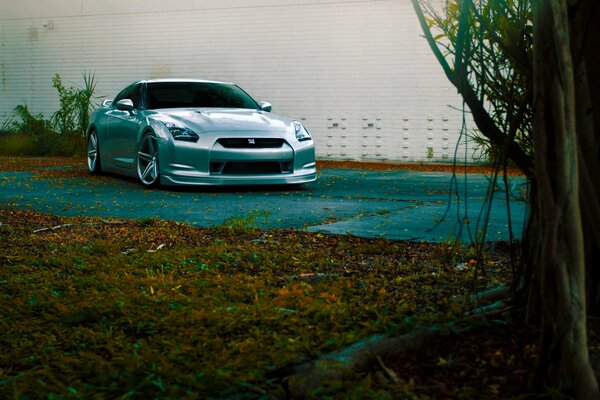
<point>197,94</point>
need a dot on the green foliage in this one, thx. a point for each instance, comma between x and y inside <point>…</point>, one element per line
<point>76,106</point>
<point>156,309</point>
<point>21,144</point>
<point>62,135</point>
<point>27,123</point>
<point>32,135</point>
<point>488,151</point>
<point>249,222</point>
<point>489,43</point>
<point>26,133</point>
<point>5,128</point>
<point>450,252</point>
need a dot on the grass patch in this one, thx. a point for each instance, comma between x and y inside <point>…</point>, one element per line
<point>25,144</point>
<point>155,309</point>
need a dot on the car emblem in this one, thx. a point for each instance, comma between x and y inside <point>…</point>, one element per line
<point>251,141</point>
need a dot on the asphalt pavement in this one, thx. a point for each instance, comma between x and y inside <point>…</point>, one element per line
<point>400,205</point>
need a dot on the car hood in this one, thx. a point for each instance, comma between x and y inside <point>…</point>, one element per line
<point>230,120</point>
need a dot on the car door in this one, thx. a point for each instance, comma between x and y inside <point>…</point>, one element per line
<point>122,129</point>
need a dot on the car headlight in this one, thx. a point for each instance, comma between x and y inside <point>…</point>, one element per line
<point>301,132</point>
<point>181,132</point>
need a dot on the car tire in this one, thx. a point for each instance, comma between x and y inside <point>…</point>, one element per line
<point>147,163</point>
<point>93,153</point>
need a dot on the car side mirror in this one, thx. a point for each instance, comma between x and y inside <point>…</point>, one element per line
<point>125,105</point>
<point>265,106</point>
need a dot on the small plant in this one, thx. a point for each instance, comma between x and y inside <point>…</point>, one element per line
<point>248,222</point>
<point>28,123</point>
<point>430,152</point>
<point>449,252</point>
<point>5,128</point>
<point>25,133</point>
<point>76,106</point>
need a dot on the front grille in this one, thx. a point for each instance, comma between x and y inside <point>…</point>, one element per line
<point>250,143</point>
<point>251,168</point>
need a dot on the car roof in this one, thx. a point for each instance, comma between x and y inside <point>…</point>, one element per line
<point>181,80</point>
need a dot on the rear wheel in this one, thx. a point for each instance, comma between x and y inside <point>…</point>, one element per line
<point>147,161</point>
<point>93,153</point>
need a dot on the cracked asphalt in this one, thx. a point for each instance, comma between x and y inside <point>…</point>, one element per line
<point>400,205</point>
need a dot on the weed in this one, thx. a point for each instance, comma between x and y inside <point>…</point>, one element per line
<point>28,123</point>
<point>449,252</point>
<point>249,222</point>
<point>430,152</point>
<point>5,127</point>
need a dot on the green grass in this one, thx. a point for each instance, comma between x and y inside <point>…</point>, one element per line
<point>49,144</point>
<point>152,309</point>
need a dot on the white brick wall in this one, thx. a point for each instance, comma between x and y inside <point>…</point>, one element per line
<point>357,72</point>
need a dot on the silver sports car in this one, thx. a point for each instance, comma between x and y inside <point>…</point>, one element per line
<point>194,132</point>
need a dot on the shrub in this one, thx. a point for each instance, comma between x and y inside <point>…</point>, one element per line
<point>28,123</point>
<point>26,134</point>
<point>63,135</point>
<point>76,106</point>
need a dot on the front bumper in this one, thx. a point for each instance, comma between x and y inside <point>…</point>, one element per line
<point>241,180</point>
<point>208,162</point>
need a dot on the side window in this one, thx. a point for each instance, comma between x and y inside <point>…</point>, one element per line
<point>124,94</point>
<point>136,96</point>
<point>133,93</point>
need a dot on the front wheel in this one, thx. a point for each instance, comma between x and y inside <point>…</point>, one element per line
<point>147,161</point>
<point>93,153</point>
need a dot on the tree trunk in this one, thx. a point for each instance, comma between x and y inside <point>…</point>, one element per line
<point>585,44</point>
<point>558,280</point>
<point>558,255</point>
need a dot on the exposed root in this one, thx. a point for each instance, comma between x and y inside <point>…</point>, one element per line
<point>300,379</point>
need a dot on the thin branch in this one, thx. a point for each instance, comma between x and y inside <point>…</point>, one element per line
<point>484,121</point>
<point>520,59</point>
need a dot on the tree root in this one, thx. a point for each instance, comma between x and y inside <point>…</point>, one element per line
<point>302,378</point>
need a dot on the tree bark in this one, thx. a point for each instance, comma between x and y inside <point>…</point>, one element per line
<point>585,44</point>
<point>558,279</point>
<point>560,263</point>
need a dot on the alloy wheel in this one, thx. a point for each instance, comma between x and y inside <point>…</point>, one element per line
<point>93,153</point>
<point>147,161</point>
